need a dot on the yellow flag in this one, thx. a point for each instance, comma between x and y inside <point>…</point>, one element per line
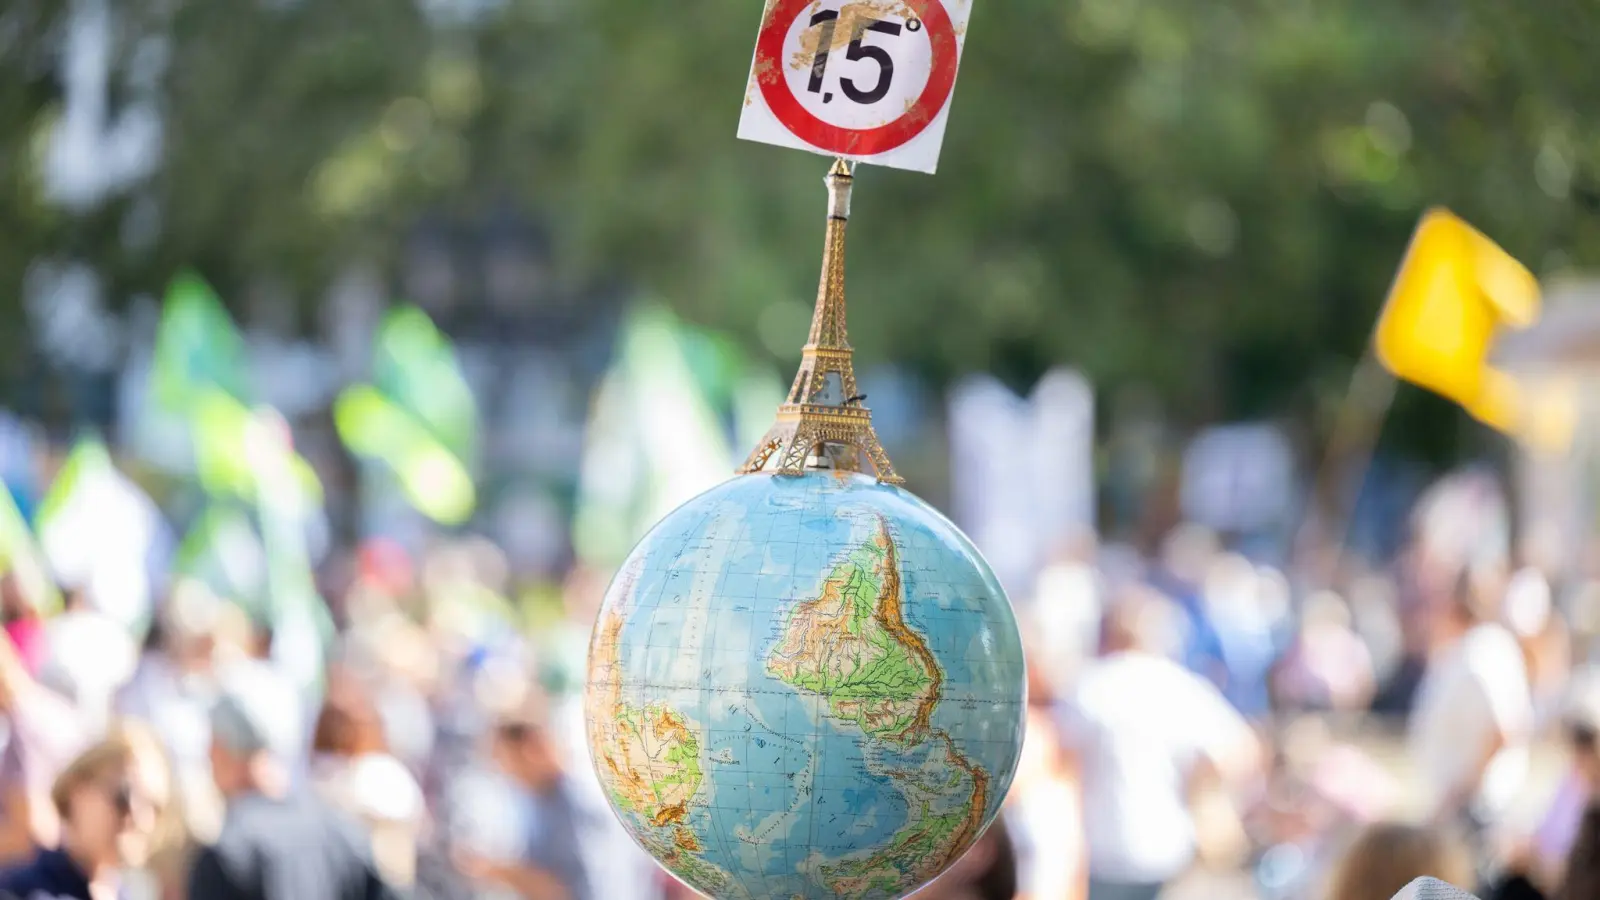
<point>1454,292</point>
<point>1540,411</point>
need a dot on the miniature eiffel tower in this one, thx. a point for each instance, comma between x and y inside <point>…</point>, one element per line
<point>824,424</point>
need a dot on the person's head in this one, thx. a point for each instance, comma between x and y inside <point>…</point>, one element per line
<point>236,633</point>
<point>188,624</point>
<point>524,748</point>
<point>1387,857</point>
<point>1231,584</point>
<point>111,801</point>
<point>1187,550</point>
<point>1526,608</point>
<point>74,598</point>
<point>15,602</point>
<point>1469,604</point>
<point>1325,611</point>
<point>253,731</point>
<point>349,724</point>
<point>1138,619</point>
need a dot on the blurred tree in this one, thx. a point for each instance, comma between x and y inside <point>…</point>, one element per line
<point>1209,197</point>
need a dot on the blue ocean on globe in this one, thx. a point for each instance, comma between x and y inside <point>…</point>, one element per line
<point>805,687</point>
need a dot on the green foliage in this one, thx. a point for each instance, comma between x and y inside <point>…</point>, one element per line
<point>1207,196</point>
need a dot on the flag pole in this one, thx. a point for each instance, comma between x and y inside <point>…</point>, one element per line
<point>1356,430</point>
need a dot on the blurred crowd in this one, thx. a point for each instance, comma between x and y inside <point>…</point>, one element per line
<point>1331,729</point>
<point>1192,711</point>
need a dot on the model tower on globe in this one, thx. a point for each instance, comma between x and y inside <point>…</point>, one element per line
<point>824,413</point>
<point>806,682</point>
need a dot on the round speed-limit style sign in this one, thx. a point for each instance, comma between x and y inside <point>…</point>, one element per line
<point>869,80</point>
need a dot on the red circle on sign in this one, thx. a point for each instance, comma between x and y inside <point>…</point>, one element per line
<point>855,141</point>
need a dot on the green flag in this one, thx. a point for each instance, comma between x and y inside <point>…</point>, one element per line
<point>197,347</point>
<point>199,374</point>
<point>223,551</point>
<point>433,479</point>
<point>655,437</point>
<point>88,458</point>
<point>220,426</point>
<point>416,368</point>
<point>417,418</point>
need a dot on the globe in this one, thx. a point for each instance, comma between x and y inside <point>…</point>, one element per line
<point>805,687</point>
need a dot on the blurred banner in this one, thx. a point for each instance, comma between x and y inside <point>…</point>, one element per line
<point>1239,478</point>
<point>417,418</point>
<point>660,428</point>
<point>1022,470</point>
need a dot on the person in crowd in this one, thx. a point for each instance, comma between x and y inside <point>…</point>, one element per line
<point>21,620</point>
<point>1146,732</point>
<point>616,865</point>
<point>550,865</point>
<point>1388,856</point>
<point>1373,599</point>
<point>167,865</point>
<point>1415,598</point>
<point>1045,806</point>
<point>172,690</point>
<point>1581,877</point>
<point>245,644</point>
<point>1327,667</point>
<point>986,872</point>
<point>45,733</point>
<point>111,809</point>
<point>88,656</point>
<point>1063,618</point>
<point>352,769</point>
<point>1232,598</point>
<point>278,841</point>
<point>1530,614</point>
<point>1535,867</point>
<point>1186,553</point>
<point>1470,731</point>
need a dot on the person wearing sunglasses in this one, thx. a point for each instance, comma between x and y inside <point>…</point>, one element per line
<point>109,819</point>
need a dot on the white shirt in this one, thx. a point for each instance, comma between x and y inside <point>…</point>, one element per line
<point>1140,723</point>
<point>1472,689</point>
<point>90,657</point>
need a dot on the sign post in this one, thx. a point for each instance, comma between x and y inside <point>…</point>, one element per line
<point>866,80</point>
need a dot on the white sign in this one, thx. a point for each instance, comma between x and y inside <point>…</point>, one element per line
<point>1238,477</point>
<point>867,80</point>
<point>1022,469</point>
